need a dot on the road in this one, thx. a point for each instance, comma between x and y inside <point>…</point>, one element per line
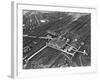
<point>48,55</point>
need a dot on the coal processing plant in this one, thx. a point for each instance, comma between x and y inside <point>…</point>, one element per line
<point>54,39</point>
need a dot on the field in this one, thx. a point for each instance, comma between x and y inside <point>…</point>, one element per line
<point>56,39</point>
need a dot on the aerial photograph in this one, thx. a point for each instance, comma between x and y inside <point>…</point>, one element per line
<point>56,39</point>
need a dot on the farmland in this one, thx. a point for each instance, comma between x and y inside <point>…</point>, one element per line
<point>56,39</point>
